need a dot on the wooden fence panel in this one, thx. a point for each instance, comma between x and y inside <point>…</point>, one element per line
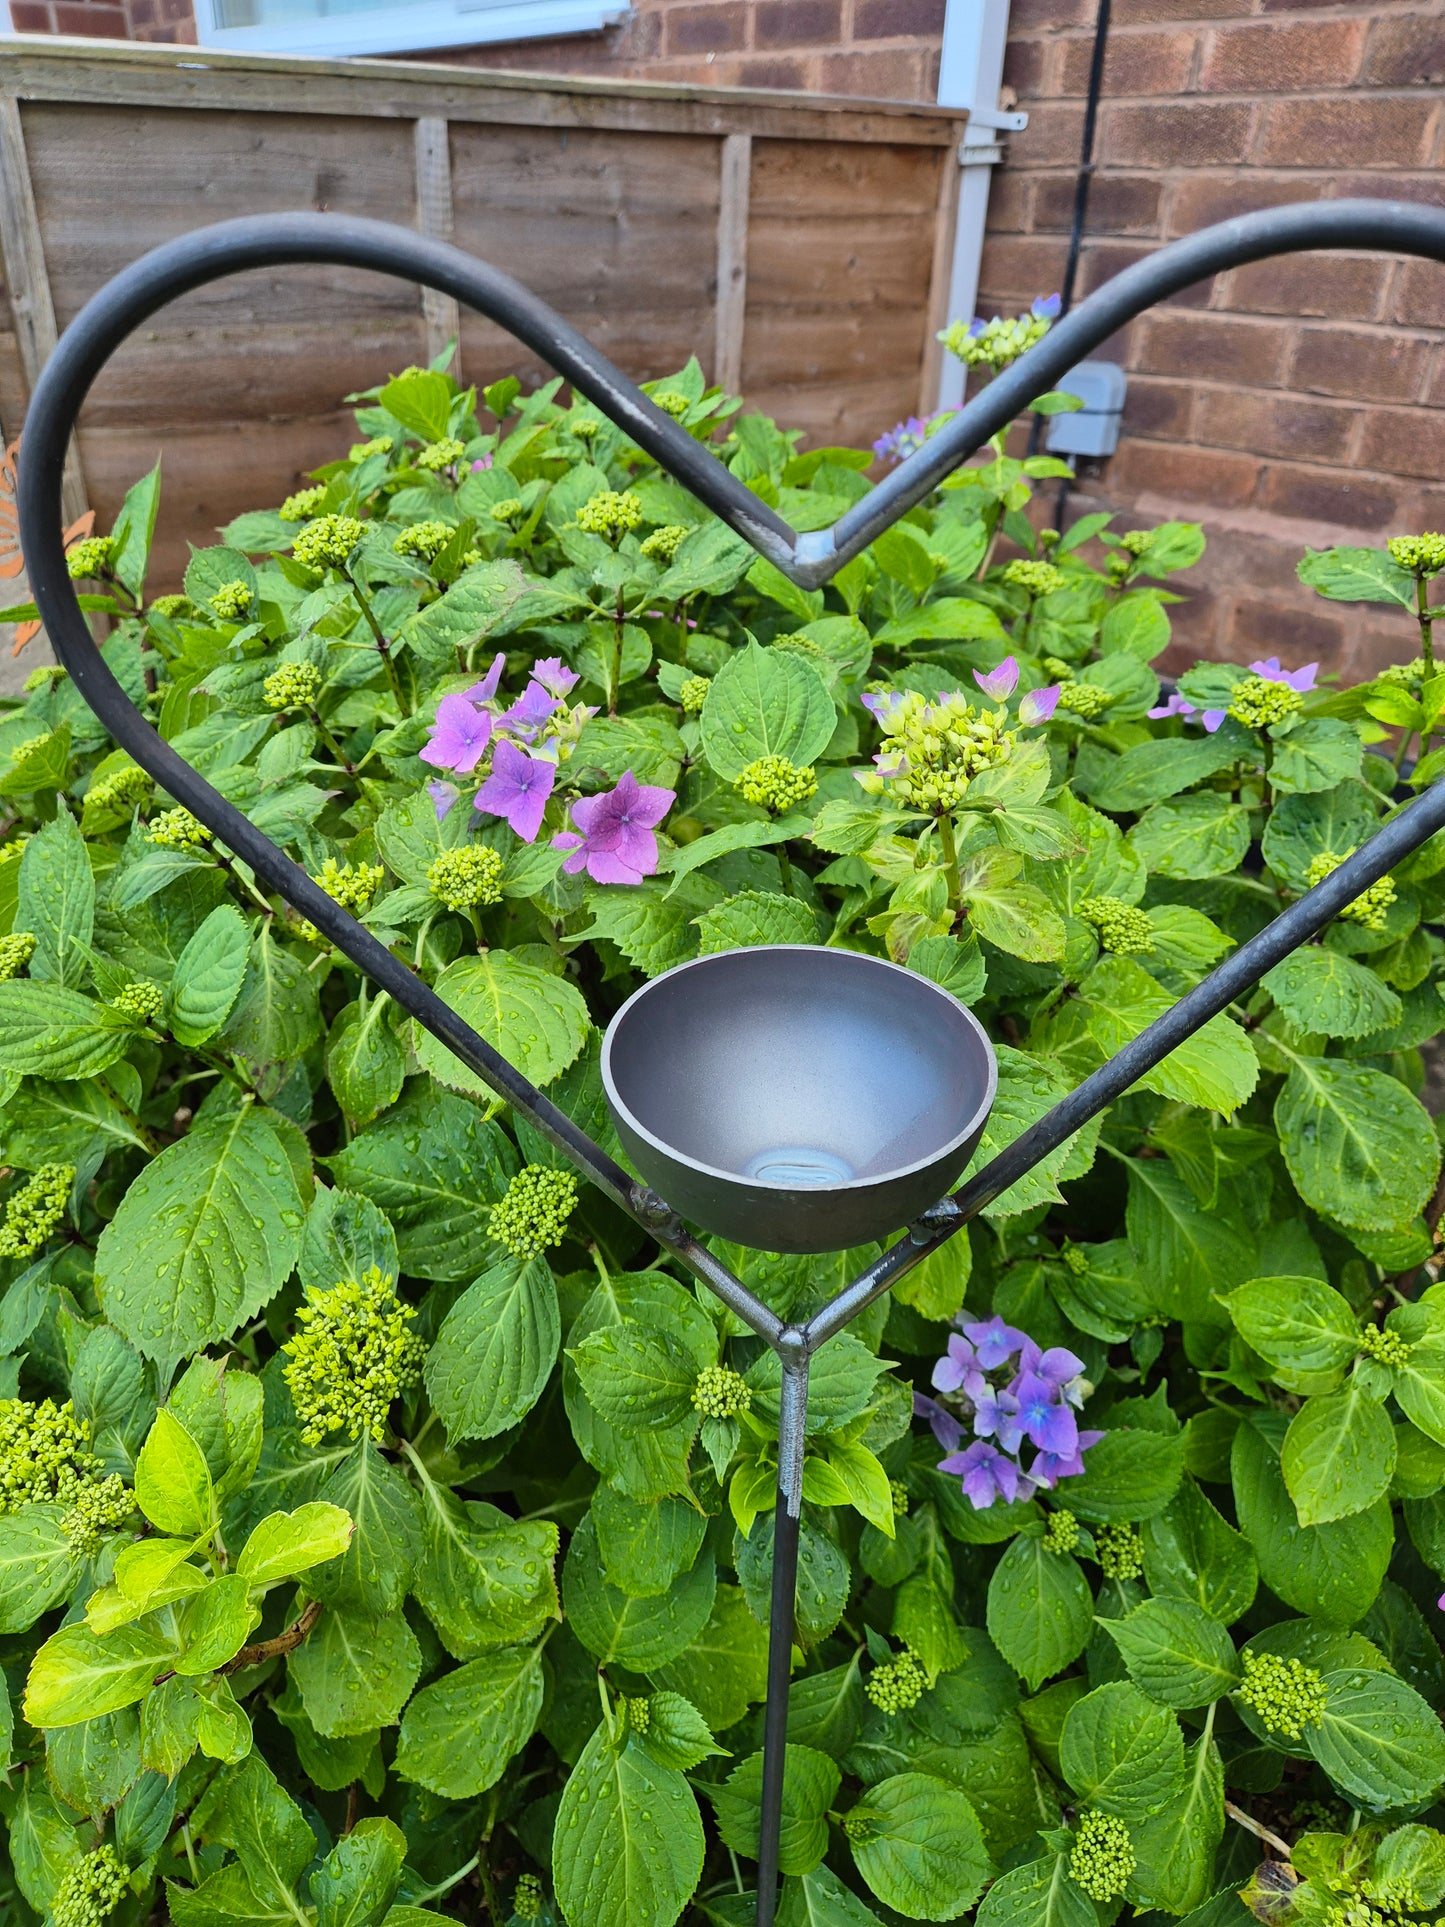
<point>794,244</point>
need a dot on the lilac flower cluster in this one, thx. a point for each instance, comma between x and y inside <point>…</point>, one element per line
<point>1036,1405</point>
<point>898,443</point>
<point>1268,670</point>
<point>526,742</point>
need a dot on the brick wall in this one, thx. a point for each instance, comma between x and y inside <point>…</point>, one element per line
<point>1294,403</point>
<point>1299,401</point>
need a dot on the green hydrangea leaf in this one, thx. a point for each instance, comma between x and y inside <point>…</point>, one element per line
<point>458,1734</point>
<point>627,1848</point>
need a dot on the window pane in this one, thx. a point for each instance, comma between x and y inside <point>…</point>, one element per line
<point>267,13</point>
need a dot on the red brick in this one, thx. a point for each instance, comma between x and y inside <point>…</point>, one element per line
<point>1407,51</point>
<point>1102,260</point>
<point>1023,67</point>
<point>103,23</point>
<point>706,30</point>
<point>1131,13</point>
<point>1189,474</point>
<point>1010,203</point>
<point>1278,628</point>
<point>1274,424</point>
<point>1405,441</point>
<point>1134,63</point>
<point>1283,58</point>
<point>898,19</point>
<point>1054,132</point>
<point>1190,134</point>
<point>1016,268</point>
<point>797,23</point>
<point>1429,509</point>
<point>1424,188</point>
<point>768,73</point>
<point>1118,203</point>
<point>1420,299</point>
<point>895,75</point>
<point>1161,409</point>
<point>1028,16</point>
<point>1203,199</point>
<point>28,16</point>
<point>1342,286</point>
<point>1435,387</point>
<point>1328,495</point>
<point>1347,133</point>
<point>1360,364</point>
<point>1202,347</point>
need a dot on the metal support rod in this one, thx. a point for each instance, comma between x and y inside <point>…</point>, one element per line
<point>787,1522</point>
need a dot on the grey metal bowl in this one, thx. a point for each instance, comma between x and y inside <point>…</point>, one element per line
<point>795,1098</point>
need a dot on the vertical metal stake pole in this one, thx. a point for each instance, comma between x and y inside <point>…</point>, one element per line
<point>792,1423</point>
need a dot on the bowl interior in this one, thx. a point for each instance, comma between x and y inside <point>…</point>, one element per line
<point>795,1065</point>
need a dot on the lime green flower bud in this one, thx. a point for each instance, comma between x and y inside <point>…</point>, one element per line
<point>378,445</point>
<point>142,1001</point>
<point>1385,1347</point>
<point>860,1826</point>
<point>693,694</point>
<point>533,1213</point>
<point>720,1392</point>
<point>1421,554</point>
<point>672,403</point>
<point>1036,578</point>
<point>351,885</point>
<point>527,1898</point>
<point>610,514</point>
<point>932,751</point>
<point>1124,930</point>
<point>1121,1552</point>
<point>301,506</point>
<point>45,1454</point>
<point>897,1684</point>
<point>91,559</point>
<point>232,600</point>
<point>507,509</point>
<point>638,1714</point>
<point>90,1891</point>
<point>800,644</point>
<point>126,790</point>
<point>29,746</point>
<point>1285,1695</point>
<point>33,1212</point>
<point>1370,906</point>
<point>292,685</point>
<point>1085,699</point>
<point>328,542</point>
<point>353,1357</point>
<point>585,427</point>
<point>662,544</point>
<point>1102,1859</point>
<point>1057,670</point>
<point>776,785</point>
<point>170,605</point>
<point>1061,1534</point>
<point>1076,1259</point>
<point>177,830</point>
<point>16,951</point>
<point>99,1507</point>
<point>1257,702</point>
<point>1137,541</point>
<point>898,1493</point>
<point>466,877</point>
<point>424,539</point>
<point>443,454</point>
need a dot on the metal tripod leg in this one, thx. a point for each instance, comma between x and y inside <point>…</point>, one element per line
<point>792,1423</point>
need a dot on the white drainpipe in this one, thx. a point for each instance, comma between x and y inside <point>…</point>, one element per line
<point>975,33</point>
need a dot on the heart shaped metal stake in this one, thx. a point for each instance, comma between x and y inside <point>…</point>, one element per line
<point>733,1149</point>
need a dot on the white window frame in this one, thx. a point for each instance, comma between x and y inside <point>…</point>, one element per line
<point>411,26</point>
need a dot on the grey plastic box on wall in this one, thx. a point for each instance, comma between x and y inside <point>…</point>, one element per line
<point>1094,428</point>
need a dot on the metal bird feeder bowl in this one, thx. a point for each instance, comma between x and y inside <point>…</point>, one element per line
<point>795,1098</point>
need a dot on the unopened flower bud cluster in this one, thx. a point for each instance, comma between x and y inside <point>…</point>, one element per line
<point>301,506</point>
<point>1061,1534</point>
<point>1420,554</point>
<point>90,1890</point>
<point>1385,1347</point>
<point>898,1684</point>
<point>16,950</point>
<point>662,544</point>
<point>126,790</point>
<point>177,830</point>
<point>34,1211</point>
<point>45,1454</point>
<point>721,1393</point>
<point>776,785</point>
<point>1367,909</point>
<point>1102,1859</point>
<point>352,1358</point>
<point>327,543</point>
<point>610,514</point>
<point>1035,578</point>
<point>1121,1552</point>
<point>142,1000</point>
<point>1085,699</point>
<point>934,750</point>
<point>423,539</point>
<point>100,1506</point>
<point>1285,1695</point>
<point>439,455</point>
<point>464,878</point>
<point>292,685</point>
<point>693,694</point>
<point>232,600</point>
<point>532,1215</point>
<point>1258,702</point>
<point>1124,930</point>
<point>90,559</point>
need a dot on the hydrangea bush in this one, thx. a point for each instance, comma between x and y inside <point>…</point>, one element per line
<point>386,1524</point>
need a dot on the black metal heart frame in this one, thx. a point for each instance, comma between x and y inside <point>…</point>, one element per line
<point>810,560</point>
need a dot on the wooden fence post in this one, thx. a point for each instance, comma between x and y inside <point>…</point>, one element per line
<point>440,312</point>
<point>732,259</point>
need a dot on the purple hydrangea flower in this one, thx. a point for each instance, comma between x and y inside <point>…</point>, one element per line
<point>1046,307</point>
<point>529,712</point>
<point>881,703</point>
<point>461,735</point>
<point>996,1342</point>
<point>952,1369</point>
<point>554,675</point>
<point>443,795</point>
<point>1039,705</point>
<point>1041,1417</point>
<point>1058,1365</point>
<point>1212,718</point>
<point>1049,1467</point>
<point>517,789</point>
<point>1177,705</point>
<point>994,1412</point>
<point>484,461</point>
<point>998,684</point>
<point>987,1474</point>
<point>617,844</point>
<point>1299,680</point>
<point>898,443</point>
<point>946,1428</point>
